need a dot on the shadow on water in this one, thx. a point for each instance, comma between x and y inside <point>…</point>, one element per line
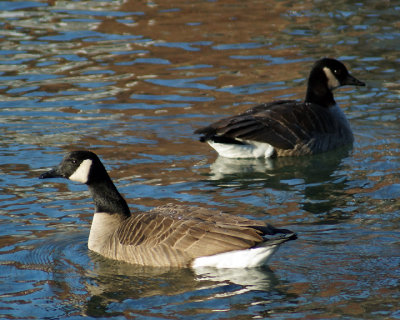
<point>321,178</point>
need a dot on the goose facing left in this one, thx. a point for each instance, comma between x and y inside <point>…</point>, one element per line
<point>170,235</point>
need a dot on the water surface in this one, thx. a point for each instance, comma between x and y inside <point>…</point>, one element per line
<point>131,80</point>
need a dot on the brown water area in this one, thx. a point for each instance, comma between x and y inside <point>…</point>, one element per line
<point>131,80</point>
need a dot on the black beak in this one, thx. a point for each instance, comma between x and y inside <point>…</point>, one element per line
<point>351,81</point>
<point>51,174</point>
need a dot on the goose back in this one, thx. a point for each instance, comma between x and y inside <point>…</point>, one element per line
<point>174,235</point>
<point>290,127</point>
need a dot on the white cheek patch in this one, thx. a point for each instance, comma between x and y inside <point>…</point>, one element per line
<point>333,82</point>
<point>82,173</point>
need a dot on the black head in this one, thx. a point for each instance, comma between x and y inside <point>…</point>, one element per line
<point>336,73</point>
<point>326,75</point>
<point>81,166</point>
<point>86,167</point>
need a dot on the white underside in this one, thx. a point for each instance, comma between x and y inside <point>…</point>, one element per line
<point>248,258</point>
<point>251,149</point>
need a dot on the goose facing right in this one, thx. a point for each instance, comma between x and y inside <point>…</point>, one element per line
<point>288,127</point>
<point>170,235</point>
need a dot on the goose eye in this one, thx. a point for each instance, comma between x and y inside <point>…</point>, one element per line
<point>337,72</point>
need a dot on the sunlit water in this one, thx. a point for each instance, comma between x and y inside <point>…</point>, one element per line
<point>131,80</point>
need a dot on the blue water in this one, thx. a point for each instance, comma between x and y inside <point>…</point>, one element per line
<point>132,81</point>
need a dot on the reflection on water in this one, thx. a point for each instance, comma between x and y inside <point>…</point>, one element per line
<point>309,169</point>
<point>145,291</point>
<point>131,80</point>
<point>318,180</point>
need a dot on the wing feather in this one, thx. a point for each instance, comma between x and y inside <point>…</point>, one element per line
<point>187,232</point>
<point>282,124</point>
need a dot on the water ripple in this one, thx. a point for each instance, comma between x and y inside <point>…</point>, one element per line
<point>132,80</point>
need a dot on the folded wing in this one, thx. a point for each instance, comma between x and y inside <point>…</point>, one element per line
<point>175,235</point>
<point>282,124</point>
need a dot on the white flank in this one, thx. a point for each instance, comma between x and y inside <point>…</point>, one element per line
<point>333,82</point>
<point>248,258</point>
<point>82,173</point>
<point>251,149</point>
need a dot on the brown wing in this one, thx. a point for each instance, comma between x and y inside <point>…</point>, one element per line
<point>282,124</point>
<point>180,232</point>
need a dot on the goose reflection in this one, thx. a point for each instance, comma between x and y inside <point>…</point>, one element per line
<point>99,287</point>
<point>308,167</point>
<point>115,282</point>
<point>321,178</point>
<point>262,278</point>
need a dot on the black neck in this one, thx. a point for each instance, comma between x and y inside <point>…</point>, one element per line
<point>107,198</point>
<point>319,93</point>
